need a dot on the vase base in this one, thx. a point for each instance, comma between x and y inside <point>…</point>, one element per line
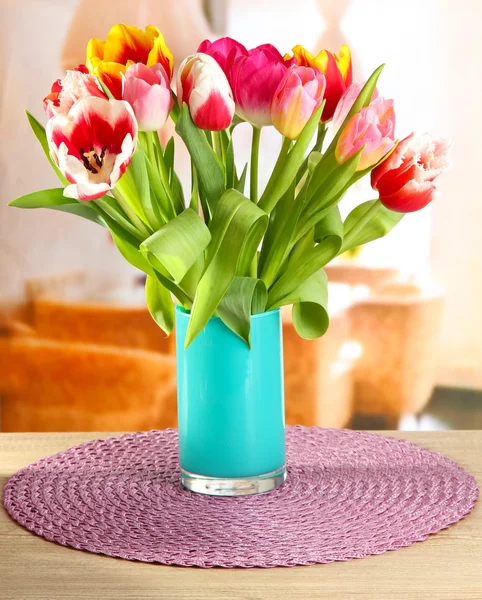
<point>235,486</point>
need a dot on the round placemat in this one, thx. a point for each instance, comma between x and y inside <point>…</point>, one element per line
<point>348,495</point>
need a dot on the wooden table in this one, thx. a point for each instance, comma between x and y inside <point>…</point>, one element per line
<point>448,566</point>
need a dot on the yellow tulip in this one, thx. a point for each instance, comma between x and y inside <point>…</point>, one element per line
<point>124,46</point>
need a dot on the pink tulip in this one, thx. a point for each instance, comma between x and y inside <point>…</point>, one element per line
<point>148,91</point>
<point>92,145</point>
<point>405,180</point>
<point>222,50</point>
<point>203,86</point>
<point>372,129</point>
<point>76,84</point>
<point>346,102</point>
<point>297,97</point>
<point>254,81</point>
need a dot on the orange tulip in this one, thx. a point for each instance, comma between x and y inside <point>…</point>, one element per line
<point>123,47</point>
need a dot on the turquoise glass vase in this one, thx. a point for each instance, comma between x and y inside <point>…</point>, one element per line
<point>231,407</point>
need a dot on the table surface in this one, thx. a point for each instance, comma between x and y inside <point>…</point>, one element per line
<point>447,566</point>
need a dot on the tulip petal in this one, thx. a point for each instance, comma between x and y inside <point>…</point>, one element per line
<point>412,197</point>
<point>95,49</point>
<point>159,52</point>
<point>125,42</point>
<point>86,191</point>
<point>110,73</point>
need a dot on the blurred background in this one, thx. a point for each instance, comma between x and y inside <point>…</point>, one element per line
<point>78,349</point>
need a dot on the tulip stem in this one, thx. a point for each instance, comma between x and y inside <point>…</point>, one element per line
<point>359,225</point>
<point>217,147</point>
<point>253,173</point>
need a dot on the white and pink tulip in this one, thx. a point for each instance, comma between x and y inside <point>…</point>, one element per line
<point>148,91</point>
<point>92,145</point>
<point>203,86</point>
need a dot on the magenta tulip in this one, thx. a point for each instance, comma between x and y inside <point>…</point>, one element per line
<point>203,86</point>
<point>372,129</point>
<point>254,81</point>
<point>405,180</point>
<point>92,145</point>
<point>223,49</point>
<point>297,97</point>
<point>148,91</point>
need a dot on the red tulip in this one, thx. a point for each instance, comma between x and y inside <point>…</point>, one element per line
<point>254,80</point>
<point>405,180</point>
<point>76,84</point>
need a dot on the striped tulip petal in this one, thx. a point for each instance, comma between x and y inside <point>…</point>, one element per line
<point>92,145</point>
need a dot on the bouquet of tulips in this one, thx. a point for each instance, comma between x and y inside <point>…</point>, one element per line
<point>226,249</point>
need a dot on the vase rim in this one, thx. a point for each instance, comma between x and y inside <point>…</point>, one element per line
<point>184,311</point>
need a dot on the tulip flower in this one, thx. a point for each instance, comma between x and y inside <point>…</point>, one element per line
<point>203,86</point>
<point>297,97</point>
<point>336,69</point>
<point>65,92</point>
<point>372,129</point>
<point>222,50</point>
<point>405,180</point>
<point>254,81</point>
<point>345,104</point>
<point>148,91</point>
<point>124,46</point>
<point>92,145</point>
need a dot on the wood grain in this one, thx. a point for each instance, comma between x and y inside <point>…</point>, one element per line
<point>448,566</point>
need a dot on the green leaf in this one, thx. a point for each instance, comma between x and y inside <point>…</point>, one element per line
<point>310,302</point>
<point>39,131</point>
<point>116,219</point>
<point>132,254</point>
<point>277,241</point>
<point>174,249</point>
<point>237,228</point>
<point>287,167</point>
<point>310,307</point>
<point>208,166</point>
<point>332,224</point>
<point>328,194</point>
<point>245,296</point>
<point>382,221</point>
<point>142,177</point>
<point>160,304</point>
<point>230,166</point>
<point>55,200</point>
<point>299,271</point>
<point>169,154</point>
<point>105,89</point>
<point>174,183</point>
<point>240,184</point>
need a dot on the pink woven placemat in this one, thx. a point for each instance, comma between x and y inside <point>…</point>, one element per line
<point>348,495</point>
